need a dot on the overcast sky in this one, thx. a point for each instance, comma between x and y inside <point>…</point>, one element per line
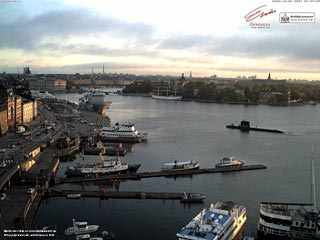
<point>207,37</point>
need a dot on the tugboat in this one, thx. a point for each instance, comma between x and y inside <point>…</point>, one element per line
<point>223,220</point>
<point>245,127</point>
<point>104,167</point>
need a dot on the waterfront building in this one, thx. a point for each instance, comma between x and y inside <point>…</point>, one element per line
<point>3,120</point>
<point>27,111</point>
<point>43,84</point>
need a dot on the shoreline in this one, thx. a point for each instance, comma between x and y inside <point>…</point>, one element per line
<point>220,102</point>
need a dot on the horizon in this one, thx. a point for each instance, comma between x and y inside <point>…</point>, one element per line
<point>158,38</point>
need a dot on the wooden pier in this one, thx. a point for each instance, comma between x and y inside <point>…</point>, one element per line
<point>116,194</point>
<point>138,176</point>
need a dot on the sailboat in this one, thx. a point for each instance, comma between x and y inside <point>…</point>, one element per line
<point>290,220</point>
<point>167,97</point>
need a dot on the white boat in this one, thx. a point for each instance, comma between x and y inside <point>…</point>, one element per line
<point>177,166</point>
<point>290,220</point>
<point>223,221</point>
<point>74,195</point>
<point>229,162</point>
<point>81,228</point>
<point>95,101</point>
<point>103,167</point>
<point>167,97</point>
<point>122,133</point>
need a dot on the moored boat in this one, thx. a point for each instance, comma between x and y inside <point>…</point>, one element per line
<point>74,196</point>
<point>122,133</point>
<point>80,228</point>
<point>229,162</point>
<point>103,167</point>
<point>192,198</point>
<point>180,165</point>
<point>223,220</point>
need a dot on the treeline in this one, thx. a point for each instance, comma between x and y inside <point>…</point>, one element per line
<point>237,92</point>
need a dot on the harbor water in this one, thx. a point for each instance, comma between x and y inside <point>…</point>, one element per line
<point>191,130</point>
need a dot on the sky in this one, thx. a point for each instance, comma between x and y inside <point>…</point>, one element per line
<point>168,37</point>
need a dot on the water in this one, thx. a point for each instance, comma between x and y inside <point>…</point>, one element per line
<point>186,130</point>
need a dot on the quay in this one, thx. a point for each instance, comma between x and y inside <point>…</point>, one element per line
<point>52,192</point>
<point>138,176</point>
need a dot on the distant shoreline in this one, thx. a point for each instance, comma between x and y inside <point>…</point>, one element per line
<point>219,102</point>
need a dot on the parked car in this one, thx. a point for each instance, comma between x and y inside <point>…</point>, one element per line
<point>3,150</point>
<point>3,196</point>
<point>31,190</point>
<point>3,165</point>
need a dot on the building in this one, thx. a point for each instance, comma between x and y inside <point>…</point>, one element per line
<point>3,120</point>
<point>43,84</point>
<point>11,109</point>
<point>18,110</point>
<point>27,111</point>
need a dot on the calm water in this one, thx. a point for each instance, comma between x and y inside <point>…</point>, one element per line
<point>186,130</point>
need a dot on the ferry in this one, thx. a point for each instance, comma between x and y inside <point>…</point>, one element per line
<point>229,162</point>
<point>122,133</point>
<point>290,220</point>
<point>80,228</point>
<point>103,167</point>
<point>223,220</point>
<point>178,166</point>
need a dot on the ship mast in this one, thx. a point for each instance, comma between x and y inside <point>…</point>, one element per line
<point>313,184</point>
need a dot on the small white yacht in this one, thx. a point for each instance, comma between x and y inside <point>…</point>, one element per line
<point>176,166</point>
<point>80,228</point>
<point>229,162</point>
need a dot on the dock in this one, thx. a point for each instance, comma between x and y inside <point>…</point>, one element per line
<point>138,176</point>
<point>116,194</point>
<point>109,151</point>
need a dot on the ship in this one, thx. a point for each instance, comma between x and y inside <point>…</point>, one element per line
<point>294,221</point>
<point>80,228</point>
<point>245,127</point>
<point>103,167</point>
<point>172,97</point>
<point>223,220</point>
<point>95,101</point>
<point>122,133</point>
<point>229,162</point>
<point>179,166</point>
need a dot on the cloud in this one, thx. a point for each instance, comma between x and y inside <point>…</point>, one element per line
<point>28,33</point>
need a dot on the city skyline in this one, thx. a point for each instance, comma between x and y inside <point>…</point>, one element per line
<point>166,38</point>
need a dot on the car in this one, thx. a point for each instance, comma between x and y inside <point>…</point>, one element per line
<point>3,196</point>
<point>91,124</point>
<point>3,150</point>
<point>13,146</point>
<point>38,133</point>
<point>3,165</point>
<point>31,190</point>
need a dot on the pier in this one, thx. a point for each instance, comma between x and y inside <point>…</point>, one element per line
<point>116,194</point>
<point>138,176</point>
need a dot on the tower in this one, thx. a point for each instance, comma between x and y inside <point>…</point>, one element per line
<point>103,69</point>
<point>269,77</point>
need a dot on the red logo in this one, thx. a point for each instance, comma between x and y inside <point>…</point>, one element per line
<point>257,12</point>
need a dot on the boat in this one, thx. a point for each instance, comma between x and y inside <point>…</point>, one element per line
<point>192,198</point>
<point>178,166</point>
<point>290,220</point>
<point>80,228</point>
<point>95,101</point>
<point>103,167</point>
<point>245,127</point>
<point>167,97</point>
<point>122,133</point>
<point>229,162</point>
<point>74,196</point>
<point>223,220</point>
